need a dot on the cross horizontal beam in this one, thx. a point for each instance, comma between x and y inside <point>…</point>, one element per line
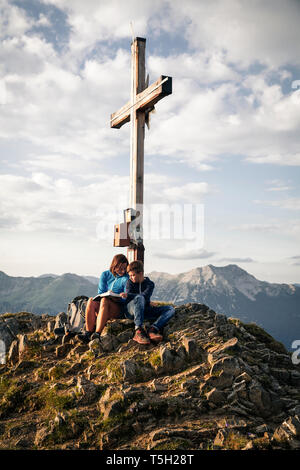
<point>144,100</point>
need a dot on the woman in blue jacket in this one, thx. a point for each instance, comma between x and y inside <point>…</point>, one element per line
<point>97,313</point>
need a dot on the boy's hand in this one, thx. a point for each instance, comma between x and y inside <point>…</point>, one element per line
<point>123,295</point>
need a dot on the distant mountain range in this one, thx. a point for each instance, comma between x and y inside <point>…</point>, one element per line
<point>229,290</point>
<point>44,294</point>
<point>236,293</point>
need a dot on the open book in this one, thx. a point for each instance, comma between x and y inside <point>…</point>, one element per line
<point>109,293</point>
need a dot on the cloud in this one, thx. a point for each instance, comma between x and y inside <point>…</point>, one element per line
<point>40,202</point>
<point>292,203</point>
<point>278,185</point>
<point>62,101</point>
<point>248,32</point>
<point>190,192</point>
<point>185,254</point>
<point>237,260</point>
<point>13,20</point>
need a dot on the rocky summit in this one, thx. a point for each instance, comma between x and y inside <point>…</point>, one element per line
<point>213,383</point>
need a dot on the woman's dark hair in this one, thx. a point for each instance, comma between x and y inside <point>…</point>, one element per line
<point>117,259</point>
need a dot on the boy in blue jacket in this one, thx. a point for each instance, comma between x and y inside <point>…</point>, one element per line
<point>137,294</point>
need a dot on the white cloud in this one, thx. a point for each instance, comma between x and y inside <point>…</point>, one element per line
<point>184,254</point>
<point>248,32</point>
<point>292,203</point>
<point>190,192</point>
<point>237,260</point>
<point>278,185</point>
<point>40,202</point>
<point>13,20</point>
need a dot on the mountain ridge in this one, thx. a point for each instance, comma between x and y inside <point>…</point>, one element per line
<point>229,290</point>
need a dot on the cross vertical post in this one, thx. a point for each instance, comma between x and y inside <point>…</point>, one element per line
<point>142,101</point>
<point>137,120</point>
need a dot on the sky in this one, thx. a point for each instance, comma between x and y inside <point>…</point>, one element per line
<point>222,155</point>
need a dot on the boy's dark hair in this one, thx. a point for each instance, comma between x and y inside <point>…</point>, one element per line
<point>136,266</point>
<point>117,259</point>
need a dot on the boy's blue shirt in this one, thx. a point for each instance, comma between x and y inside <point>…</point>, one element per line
<point>108,281</point>
<point>133,289</point>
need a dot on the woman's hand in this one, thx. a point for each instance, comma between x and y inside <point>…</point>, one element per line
<point>123,295</point>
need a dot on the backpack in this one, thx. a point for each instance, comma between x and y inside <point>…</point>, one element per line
<point>76,315</point>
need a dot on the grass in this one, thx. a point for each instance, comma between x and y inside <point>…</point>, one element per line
<point>13,395</point>
<point>235,441</point>
<point>155,359</point>
<point>51,401</point>
<point>113,369</point>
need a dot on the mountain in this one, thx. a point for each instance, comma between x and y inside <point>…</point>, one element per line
<point>212,383</point>
<point>229,290</point>
<point>236,293</point>
<point>44,294</point>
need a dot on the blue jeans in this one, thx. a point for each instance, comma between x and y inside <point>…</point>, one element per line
<point>136,311</point>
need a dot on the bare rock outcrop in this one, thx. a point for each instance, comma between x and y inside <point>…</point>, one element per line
<point>213,383</point>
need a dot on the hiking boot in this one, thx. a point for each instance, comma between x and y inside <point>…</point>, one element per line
<point>85,337</point>
<point>95,336</point>
<point>141,336</point>
<point>155,335</point>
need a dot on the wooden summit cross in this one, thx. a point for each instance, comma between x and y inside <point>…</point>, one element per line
<point>143,99</point>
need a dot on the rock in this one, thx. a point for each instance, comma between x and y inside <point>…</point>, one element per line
<point>260,398</point>
<point>109,342</point>
<point>51,325</point>
<point>230,346</point>
<point>228,364</point>
<point>13,353</point>
<point>221,381</point>
<point>295,378</point>
<point>192,349</point>
<point>216,397</point>
<point>220,437</point>
<point>128,369</point>
<point>124,336</point>
<point>261,430</point>
<point>63,350</point>
<point>248,446</point>
<point>169,359</point>
<point>42,435</point>
<point>87,389</point>
<point>244,377</point>
<point>59,419</point>
<point>95,347</point>
<point>23,345</point>
<point>157,386</point>
<point>133,372</point>
<point>289,429</point>
<point>6,335</point>
<point>111,403</point>
<point>282,375</point>
<point>60,320</point>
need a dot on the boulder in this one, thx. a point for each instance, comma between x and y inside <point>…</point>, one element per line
<point>87,389</point>
<point>191,347</point>
<point>13,353</point>
<point>109,342</point>
<point>228,364</point>
<point>6,335</point>
<point>23,345</point>
<point>260,398</point>
<point>289,429</point>
<point>215,396</point>
<point>170,360</point>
